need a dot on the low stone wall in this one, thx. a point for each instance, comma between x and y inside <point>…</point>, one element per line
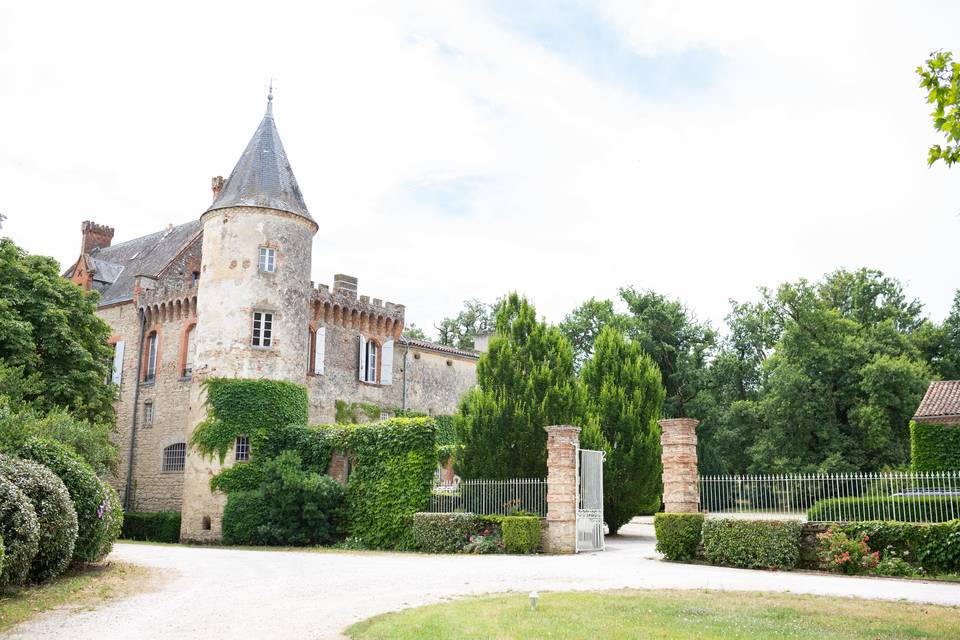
<point>808,544</point>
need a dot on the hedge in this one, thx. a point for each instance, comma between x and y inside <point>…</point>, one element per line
<point>21,534</point>
<point>678,534</point>
<point>2,552</point>
<point>752,544</point>
<point>934,547</point>
<point>56,516</point>
<point>442,532</point>
<point>99,515</point>
<point>934,447</point>
<point>901,509</point>
<point>521,534</point>
<point>291,507</point>
<point>151,526</point>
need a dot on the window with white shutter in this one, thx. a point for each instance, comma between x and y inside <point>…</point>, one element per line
<point>320,345</point>
<point>386,363</point>
<point>362,367</point>
<point>117,376</point>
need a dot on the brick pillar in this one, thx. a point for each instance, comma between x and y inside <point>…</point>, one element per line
<point>681,487</point>
<point>562,444</point>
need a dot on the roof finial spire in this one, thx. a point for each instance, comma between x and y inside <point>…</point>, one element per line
<point>270,98</point>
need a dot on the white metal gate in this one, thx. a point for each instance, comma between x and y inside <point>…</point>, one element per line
<point>589,500</point>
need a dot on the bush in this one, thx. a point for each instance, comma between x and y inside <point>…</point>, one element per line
<point>56,516</point>
<point>678,534</point>
<point>935,548</point>
<point>99,516</point>
<point>443,532</point>
<point>2,552</point>
<point>934,447</point>
<point>159,526</point>
<point>21,534</point>
<point>521,534</point>
<point>905,509</point>
<point>892,565</point>
<point>291,507</point>
<point>752,544</point>
<point>845,554</point>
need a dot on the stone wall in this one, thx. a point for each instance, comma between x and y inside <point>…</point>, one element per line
<point>562,445</point>
<point>681,487</point>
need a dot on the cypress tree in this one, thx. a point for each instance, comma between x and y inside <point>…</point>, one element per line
<point>525,382</point>
<point>624,400</point>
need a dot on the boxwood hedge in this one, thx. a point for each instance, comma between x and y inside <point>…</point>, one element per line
<point>442,532</point>
<point>678,534</point>
<point>21,534</point>
<point>56,516</point>
<point>900,508</point>
<point>156,526</point>
<point>752,544</point>
<point>521,534</point>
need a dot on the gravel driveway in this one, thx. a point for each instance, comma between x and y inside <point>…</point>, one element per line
<point>239,593</point>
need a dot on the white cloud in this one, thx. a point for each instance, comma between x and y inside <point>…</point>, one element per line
<point>803,152</point>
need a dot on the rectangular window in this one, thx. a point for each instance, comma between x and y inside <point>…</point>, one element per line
<point>371,361</point>
<point>175,457</point>
<point>151,373</point>
<point>148,413</point>
<point>242,449</point>
<point>262,329</point>
<point>191,350</point>
<point>268,259</point>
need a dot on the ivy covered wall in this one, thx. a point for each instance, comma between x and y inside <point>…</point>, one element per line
<point>934,447</point>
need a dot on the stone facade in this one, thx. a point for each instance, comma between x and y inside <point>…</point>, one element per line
<point>563,442</point>
<point>681,488</point>
<point>193,290</point>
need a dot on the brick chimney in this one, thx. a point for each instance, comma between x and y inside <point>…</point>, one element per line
<point>95,236</point>
<point>216,185</point>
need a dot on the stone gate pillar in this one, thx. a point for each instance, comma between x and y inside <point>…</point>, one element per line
<point>681,486</point>
<point>563,442</point>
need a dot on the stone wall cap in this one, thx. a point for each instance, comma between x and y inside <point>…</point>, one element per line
<point>678,422</point>
<point>557,428</point>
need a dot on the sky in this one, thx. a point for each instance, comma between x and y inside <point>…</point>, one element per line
<point>455,150</point>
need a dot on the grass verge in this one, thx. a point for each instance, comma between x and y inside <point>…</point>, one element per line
<point>80,588</point>
<point>665,615</point>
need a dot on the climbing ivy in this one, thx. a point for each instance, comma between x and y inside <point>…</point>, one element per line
<point>934,447</point>
<point>253,408</point>
<point>391,477</point>
<point>350,412</point>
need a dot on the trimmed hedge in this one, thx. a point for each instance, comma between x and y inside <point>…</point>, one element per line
<point>443,532</point>
<point>151,526</point>
<point>752,544</point>
<point>291,507</point>
<point>933,547</point>
<point>521,534</point>
<point>678,534</point>
<point>99,516</point>
<point>56,516</point>
<point>21,534</point>
<point>904,508</point>
<point>934,447</point>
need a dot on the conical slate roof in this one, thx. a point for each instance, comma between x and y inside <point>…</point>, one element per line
<point>263,177</point>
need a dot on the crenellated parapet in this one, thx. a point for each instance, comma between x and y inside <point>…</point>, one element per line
<point>164,303</point>
<point>342,306</point>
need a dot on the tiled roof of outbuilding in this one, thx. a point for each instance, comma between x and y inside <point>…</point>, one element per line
<point>442,348</point>
<point>942,400</point>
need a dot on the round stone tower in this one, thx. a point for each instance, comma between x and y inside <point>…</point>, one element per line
<point>253,297</point>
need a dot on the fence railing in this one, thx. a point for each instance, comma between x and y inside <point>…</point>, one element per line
<point>915,497</point>
<point>503,497</point>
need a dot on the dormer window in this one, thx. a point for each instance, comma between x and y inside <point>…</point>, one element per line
<point>268,259</point>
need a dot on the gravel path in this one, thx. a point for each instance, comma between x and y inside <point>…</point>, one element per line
<point>239,593</point>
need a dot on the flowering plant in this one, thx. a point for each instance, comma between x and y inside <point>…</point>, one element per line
<point>486,540</point>
<point>844,554</point>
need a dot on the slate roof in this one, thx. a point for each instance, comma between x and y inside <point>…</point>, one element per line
<point>942,400</point>
<point>442,348</point>
<point>263,177</point>
<point>117,266</point>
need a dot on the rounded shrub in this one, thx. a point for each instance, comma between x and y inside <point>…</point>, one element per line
<point>244,514</point>
<point>99,516</point>
<point>21,534</point>
<point>521,534</point>
<point>56,516</point>
<point>678,534</point>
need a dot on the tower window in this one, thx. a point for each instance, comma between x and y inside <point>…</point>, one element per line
<point>191,350</point>
<point>268,259</point>
<point>175,457</point>
<point>151,373</point>
<point>262,329</point>
<point>148,413</point>
<point>195,277</point>
<point>242,449</point>
<point>371,361</point>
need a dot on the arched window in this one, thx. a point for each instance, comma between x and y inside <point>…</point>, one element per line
<point>190,351</point>
<point>150,370</point>
<point>175,457</point>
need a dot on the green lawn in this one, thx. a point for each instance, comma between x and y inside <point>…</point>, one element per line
<point>665,614</point>
<point>79,588</point>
